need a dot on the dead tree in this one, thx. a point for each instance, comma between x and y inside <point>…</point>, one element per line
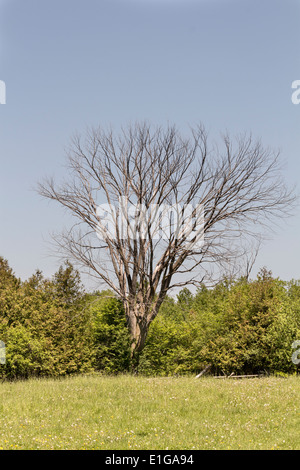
<point>131,196</point>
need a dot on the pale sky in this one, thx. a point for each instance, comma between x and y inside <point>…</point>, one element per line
<point>68,64</point>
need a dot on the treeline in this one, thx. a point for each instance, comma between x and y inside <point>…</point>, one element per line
<point>54,328</point>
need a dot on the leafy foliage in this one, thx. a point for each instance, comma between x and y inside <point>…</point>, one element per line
<point>44,333</point>
<point>241,327</point>
<point>110,334</point>
<point>53,328</point>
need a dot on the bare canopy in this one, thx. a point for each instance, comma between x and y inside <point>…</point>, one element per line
<point>156,210</point>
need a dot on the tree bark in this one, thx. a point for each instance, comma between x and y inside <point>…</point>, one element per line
<point>138,328</point>
<point>141,309</point>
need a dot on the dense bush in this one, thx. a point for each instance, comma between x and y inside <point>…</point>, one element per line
<point>46,332</point>
<point>241,327</point>
<point>53,328</point>
<point>111,342</point>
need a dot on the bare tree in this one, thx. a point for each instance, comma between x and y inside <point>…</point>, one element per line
<point>143,252</point>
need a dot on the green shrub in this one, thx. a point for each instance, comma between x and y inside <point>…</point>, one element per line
<point>53,328</point>
<point>237,327</point>
<point>256,329</point>
<point>24,354</point>
<point>111,341</point>
<point>44,334</point>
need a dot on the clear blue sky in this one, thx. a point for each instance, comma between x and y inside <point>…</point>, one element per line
<point>68,64</point>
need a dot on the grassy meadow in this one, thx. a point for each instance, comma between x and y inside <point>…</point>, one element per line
<point>125,412</point>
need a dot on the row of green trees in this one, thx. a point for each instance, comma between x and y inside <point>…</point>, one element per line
<point>54,328</point>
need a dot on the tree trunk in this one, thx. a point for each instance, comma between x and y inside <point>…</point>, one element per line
<point>138,328</point>
<point>140,314</point>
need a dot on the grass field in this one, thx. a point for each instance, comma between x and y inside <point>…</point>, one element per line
<point>124,412</point>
